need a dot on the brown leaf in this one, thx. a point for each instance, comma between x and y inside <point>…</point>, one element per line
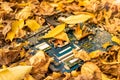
<point>91,71</point>
<point>81,54</point>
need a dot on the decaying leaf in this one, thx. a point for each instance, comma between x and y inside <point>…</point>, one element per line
<point>15,73</point>
<point>33,25</point>
<point>55,31</point>
<point>74,19</point>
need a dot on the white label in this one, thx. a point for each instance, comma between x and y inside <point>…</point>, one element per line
<point>73,60</point>
<point>42,46</point>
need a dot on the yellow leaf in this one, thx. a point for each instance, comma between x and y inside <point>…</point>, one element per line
<point>69,1</point>
<point>104,77</point>
<point>75,73</point>
<point>33,25</point>
<point>74,19</point>
<point>16,26</point>
<point>116,39</point>
<point>10,36</point>
<point>24,13</point>
<point>62,36</point>
<point>94,54</point>
<point>105,45</point>
<point>29,77</point>
<point>55,31</point>
<point>22,54</point>
<point>15,73</point>
<point>83,55</point>
<point>4,67</point>
<point>56,75</point>
<point>118,56</point>
<point>78,33</point>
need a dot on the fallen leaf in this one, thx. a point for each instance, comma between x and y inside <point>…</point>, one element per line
<point>83,55</point>
<point>78,33</point>
<point>33,25</point>
<point>81,18</point>
<point>67,76</point>
<point>56,75</point>
<point>55,31</point>
<point>37,58</point>
<point>62,36</point>
<point>118,56</point>
<point>29,77</point>
<point>6,7</point>
<point>16,26</point>
<point>15,73</point>
<point>94,54</point>
<point>91,71</point>
<point>75,73</point>
<point>10,36</point>
<point>24,13</point>
<point>116,39</point>
<point>104,77</point>
<point>105,45</point>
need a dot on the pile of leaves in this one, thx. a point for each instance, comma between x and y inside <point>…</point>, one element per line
<point>19,18</point>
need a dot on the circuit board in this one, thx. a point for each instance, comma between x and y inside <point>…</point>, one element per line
<point>64,59</point>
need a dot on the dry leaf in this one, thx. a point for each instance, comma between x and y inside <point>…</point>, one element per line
<point>81,54</point>
<point>16,26</point>
<point>6,7</point>
<point>29,77</point>
<point>56,75</point>
<point>116,39</point>
<point>37,58</point>
<point>55,31</point>
<point>118,56</point>
<point>104,77</point>
<point>105,45</point>
<point>94,54</point>
<point>33,25</point>
<point>67,76</point>
<point>91,71</point>
<point>8,56</point>
<point>78,33</point>
<point>46,8</point>
<point>62,36</point>
<point>74,19</point>
<point>75,73</point>
<point>24,13</point>
<point>15,73</point>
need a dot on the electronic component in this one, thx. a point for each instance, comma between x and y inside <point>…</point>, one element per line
<point>64,59</point>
